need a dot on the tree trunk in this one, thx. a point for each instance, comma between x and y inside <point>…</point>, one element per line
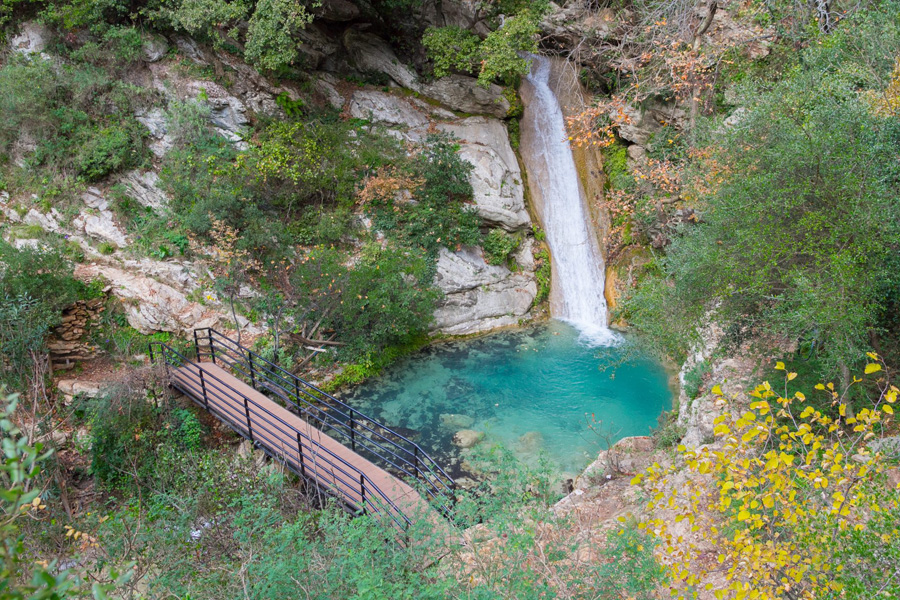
<point>704,26</point>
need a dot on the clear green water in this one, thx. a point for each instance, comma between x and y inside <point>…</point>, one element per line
<point>536,390</point>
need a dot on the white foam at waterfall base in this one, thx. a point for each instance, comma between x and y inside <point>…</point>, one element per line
<point>577,263</point>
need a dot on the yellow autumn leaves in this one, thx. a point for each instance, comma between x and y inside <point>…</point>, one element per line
<point>782,482</point>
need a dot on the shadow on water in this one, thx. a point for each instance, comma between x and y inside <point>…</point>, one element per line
<point>535,391</point>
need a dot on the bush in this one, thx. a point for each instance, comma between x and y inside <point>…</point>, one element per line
<point>35,285</point>
<point>694,378</point>
<point>441,214</point>
<point>542,275</point>
<point>787,499</point>
<point>499,245</point>
<point>109,150</point>
<point>80,116</point>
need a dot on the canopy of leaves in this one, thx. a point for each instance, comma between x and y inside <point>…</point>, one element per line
<point>499,57</point>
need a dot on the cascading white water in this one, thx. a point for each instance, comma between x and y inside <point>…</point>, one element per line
<point>578,271</point>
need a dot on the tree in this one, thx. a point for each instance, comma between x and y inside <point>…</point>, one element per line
<point>800,213</point>
<point>35,285</point>
<point>794,502</point>
<point>497,57</point>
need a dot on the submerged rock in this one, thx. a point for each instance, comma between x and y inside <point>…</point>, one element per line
<point>467,438</point>
<point>456,421</point>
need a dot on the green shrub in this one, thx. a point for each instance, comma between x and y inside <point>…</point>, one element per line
<point>694,378</point>
<point>125,430</point>
<point>542,275</point>
<point>441,215</point>
<point>106,248</point>
<point>499,245</point>
<point>35,285</point>
<point>109,150</point>
<point>186,430</point>
<point>668,432</point>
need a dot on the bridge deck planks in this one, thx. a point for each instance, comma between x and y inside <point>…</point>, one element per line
<point>275,427</point>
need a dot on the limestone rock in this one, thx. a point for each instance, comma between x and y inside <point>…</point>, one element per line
<point>154,48</point>
<point>371,54</point>
<point>32,39</point>
<point>151,305</point>
<point>337,10</point>
<point>628,455</point>
<point>496,179</point>
<point>101,223</point>
<point>385,108</point>
<point>73,387</point>
<point>227,113</point>
<point>157,123</point>
<point>317,47</point>
<point>143,186</point>
<point>455,421</point>
<point>479,297</point>
<point>326,85</point>
<point>468,438</point>
<point>463,93</point>
<point>466,269</point>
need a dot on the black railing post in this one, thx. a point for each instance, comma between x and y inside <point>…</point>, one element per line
<point>297,391</point>
<point>247,413</point>
<point>300,455</point>
<point>362,492</point>
<point>203,387</point>
<point>212,349</point>
<point>416,460</point>
<point>252,371</point>
<point>152,358</point>
<point>196,346</point>
<point>352,433</point>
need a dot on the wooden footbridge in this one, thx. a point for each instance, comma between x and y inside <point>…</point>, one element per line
<point>368,467</point>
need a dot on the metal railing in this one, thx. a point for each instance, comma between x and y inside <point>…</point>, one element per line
<point>281,440</point>
<point>364,435</point>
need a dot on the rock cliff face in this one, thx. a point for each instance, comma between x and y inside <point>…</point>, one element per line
<point>169,295</point>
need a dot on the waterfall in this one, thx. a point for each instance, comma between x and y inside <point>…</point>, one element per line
<point>578,272</point>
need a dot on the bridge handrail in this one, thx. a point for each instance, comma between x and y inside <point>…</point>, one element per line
<point>415,461</point>
<point>366,484</point>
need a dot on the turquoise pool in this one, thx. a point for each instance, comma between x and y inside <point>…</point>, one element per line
<point>536,391</point>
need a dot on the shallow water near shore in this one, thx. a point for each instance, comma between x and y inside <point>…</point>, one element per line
<point>536,391</point>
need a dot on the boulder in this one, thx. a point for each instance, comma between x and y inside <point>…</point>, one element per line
<point>74,387</point>
<point>478,296</point>
<point>386,108</point>
<point>455,421</point>
<point>463,93</point>
<point>337,10</point>
<point>371,54</point>
<point>496,179</point>
<point>468,438</point>
<point>154,48</point>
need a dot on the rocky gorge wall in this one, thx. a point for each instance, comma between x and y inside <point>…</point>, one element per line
<point>172,294</point>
